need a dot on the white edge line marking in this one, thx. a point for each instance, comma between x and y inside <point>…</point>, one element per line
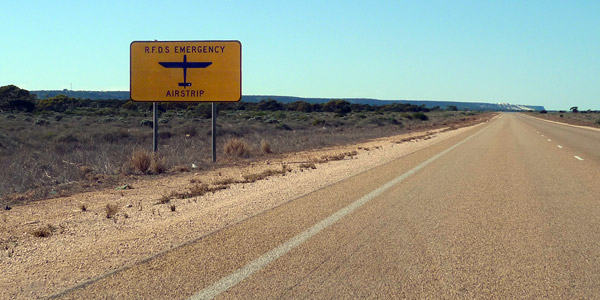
<point>559,146</point>
<point>549,140</point>
<point>578,157</point>
<point>244,272</point>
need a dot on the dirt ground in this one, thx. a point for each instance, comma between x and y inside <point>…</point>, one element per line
<point>49,246</point>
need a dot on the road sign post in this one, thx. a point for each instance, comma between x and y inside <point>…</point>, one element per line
<point>154,127</point>
<point>186,71</point>
<point>214,132</point>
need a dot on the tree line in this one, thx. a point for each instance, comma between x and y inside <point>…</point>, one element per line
<point>13,98</point>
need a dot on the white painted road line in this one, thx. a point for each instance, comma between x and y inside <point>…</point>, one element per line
<point>578,157</point>
<point>559,146</point>
<point>549,140</point>
<point>244,272</point>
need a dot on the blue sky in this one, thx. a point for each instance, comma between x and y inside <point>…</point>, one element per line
<point>521,52</point>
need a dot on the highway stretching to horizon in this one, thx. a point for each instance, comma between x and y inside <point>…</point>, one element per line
<point>506,209</point>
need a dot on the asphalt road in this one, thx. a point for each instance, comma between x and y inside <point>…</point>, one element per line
<point>499,211</point>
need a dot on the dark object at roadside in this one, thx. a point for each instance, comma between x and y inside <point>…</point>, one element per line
<point>7,208</point>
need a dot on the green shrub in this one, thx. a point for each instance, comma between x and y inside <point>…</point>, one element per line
<point>283,126</point>
<point>420,116</point>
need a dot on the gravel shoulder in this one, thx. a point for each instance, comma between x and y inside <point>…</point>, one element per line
<point>83,245</point>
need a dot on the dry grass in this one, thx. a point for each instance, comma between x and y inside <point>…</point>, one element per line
<point>237,147</point>
<point>164,199</point>
<point>111,210</point>
<point>225,181</point>
<point>45,231</point>
<point>307,166</point>
<point>340,156</point>
<point>180,169</point>
<point>157,165</point>
<point>199,190</point>
<point>82,151</point>
<point>141,160</point>
<point>267,173</point>
<point>265,147</point>
<point>415,138</point>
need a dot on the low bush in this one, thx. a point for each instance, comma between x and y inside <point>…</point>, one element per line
<point>141,160</point>
<point>265,147</point>
<point>45,231</point>
<point>237,147</point>
<point>420,116</point>
<point>111,210</point>
<point>157,165</point>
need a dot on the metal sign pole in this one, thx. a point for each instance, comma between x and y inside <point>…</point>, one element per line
<point>155,127</point>
<point>214,132</point>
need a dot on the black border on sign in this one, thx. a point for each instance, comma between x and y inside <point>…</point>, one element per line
<point>204,41</point>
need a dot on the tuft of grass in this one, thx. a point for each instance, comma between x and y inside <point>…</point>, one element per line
<point>164,199</point>
<point>237,147</point>
<point>111,210</point>
<point>141,160</point>
<point>265,147</point>
<point>180,168</point>
<point>308,166</point>
<point>265,174</point>
<point>225,181</point>
<point>172,207</point>
<point>157,165</point>
<point>199,190</point>
<point>83,207</point>
<point>45,231</point>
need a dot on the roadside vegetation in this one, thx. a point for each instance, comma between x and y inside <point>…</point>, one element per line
<point>572,116</point>
<point>52,147</point>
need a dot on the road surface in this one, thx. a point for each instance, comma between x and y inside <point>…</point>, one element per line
<point>510,208</point>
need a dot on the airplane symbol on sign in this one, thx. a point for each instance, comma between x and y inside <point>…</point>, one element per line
<point>185,65</point>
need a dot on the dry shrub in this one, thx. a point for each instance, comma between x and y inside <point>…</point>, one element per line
<point>164,199</point>
<point>336,157</point>
<point>111,210</point>
<point>85,170</point>
<point>199,190</point>
<point>225,181</point>
<point>141,160</point>
<point>45,231</point>
<point>308,166</point>
<point>180,168</point>
<point>237,147</point>
<point>260,176</point>
<point>157,165</point>
<point>267,173</point>
<point>340,156</point>
<point>265,147</point>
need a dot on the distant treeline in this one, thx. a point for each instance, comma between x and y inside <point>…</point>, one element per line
<point>14,99</point>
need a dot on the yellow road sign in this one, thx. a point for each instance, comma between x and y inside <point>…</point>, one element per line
<point>207,71</point>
